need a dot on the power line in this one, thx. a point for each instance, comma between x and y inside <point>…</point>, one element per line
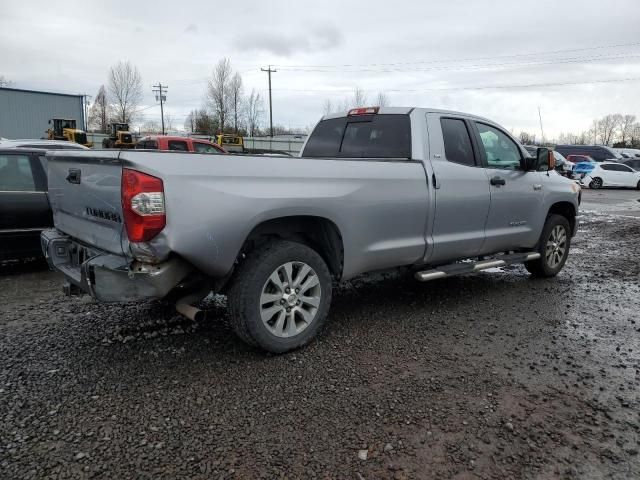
<point>269,72</point>
<point>481,87</point>
<point>476,66</point>
<point>515,55</point>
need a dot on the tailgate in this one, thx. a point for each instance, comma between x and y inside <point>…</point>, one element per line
<point>84,191</point>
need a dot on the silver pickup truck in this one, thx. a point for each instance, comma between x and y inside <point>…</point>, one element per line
<point>441,193</point>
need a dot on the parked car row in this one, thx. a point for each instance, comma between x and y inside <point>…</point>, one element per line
<point>597,166</point>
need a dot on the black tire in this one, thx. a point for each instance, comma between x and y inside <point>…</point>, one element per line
<point>596,183</point>
<point>546,265</point>
<point>249,283</point>
<point>638,186</point>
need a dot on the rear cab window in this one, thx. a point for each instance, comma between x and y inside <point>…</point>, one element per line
<point>147,144</point>
<point>363,136</point>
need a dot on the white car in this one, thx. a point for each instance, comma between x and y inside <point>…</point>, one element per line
<point>629,152</point>
<point>608,174</point>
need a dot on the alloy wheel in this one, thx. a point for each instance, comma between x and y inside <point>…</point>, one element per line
<point>290,299</point>
<point>556,246</point>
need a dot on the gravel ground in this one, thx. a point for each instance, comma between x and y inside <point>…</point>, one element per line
<point>492,375</point>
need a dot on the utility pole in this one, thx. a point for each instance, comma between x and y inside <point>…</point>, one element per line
<point>161,94</point>
<point>269,72</point>
<point>541,130</point>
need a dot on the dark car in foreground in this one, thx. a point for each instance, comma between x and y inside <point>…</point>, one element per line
<point>24,203</point>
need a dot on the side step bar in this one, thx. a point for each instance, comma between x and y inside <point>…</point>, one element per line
<point>470,267</point>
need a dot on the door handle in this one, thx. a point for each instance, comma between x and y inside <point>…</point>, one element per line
<point>497,181</point>
<point>74,176</point>
<point>537,186</point>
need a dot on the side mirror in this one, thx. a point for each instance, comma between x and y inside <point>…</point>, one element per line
<point>546,159</point>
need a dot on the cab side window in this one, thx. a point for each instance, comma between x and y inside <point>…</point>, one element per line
<point>178,145</point>
<point>500,151</point>
<point>457,142</point>
<point>16,174</point>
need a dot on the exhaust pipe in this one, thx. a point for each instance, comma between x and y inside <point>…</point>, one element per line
<point>184,306</point>
<point>190,311</point>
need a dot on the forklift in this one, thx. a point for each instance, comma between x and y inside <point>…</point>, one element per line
<point>119,136</point>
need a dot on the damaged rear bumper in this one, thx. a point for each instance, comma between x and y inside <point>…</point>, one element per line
<point>108,277</point>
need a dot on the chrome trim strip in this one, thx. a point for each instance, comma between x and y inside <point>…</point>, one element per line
<point>22,230</point>
<point>21,191</point>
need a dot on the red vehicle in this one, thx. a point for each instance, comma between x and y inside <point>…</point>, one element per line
<point>179,144</point>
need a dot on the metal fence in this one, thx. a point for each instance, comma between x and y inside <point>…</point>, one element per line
<point>291,146</point>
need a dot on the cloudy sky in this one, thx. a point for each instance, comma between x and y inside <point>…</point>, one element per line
<point>576,60</point>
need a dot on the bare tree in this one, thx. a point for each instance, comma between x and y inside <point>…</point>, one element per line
<point>100,112</point>
<point>235,98</point>
<point>125,90</point>
<point>254,112</point>
<point>525,138</point>
<point>359,98</point>
<point>151,126</point>
<point>189,125</point>
<point>218,90</point>
<point>606,128</point>
<point>382,100</point>
<point>635,135</point>
<point>4,82</point>
<point>327,107</point>
<point>168,122</point>
<point>626,127</point>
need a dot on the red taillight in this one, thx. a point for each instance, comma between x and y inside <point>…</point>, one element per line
<point>142,205</point>
<point>363,111</point>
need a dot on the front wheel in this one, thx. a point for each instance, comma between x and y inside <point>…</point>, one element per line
<point>280,295</point>
<point>553,247</point>
<point>638,186</point>
<point>596,183</point>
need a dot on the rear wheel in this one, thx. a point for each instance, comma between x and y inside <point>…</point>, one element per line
<point>638,185</point>
<point>280,296</point>
<point>553,247</point>
<point>596,183</point>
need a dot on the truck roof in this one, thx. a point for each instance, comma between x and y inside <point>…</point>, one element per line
<point>408,110</point>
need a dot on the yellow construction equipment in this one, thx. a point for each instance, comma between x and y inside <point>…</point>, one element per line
<point>230,142</point>
<point>65,129</point>
<point>119,136</point>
